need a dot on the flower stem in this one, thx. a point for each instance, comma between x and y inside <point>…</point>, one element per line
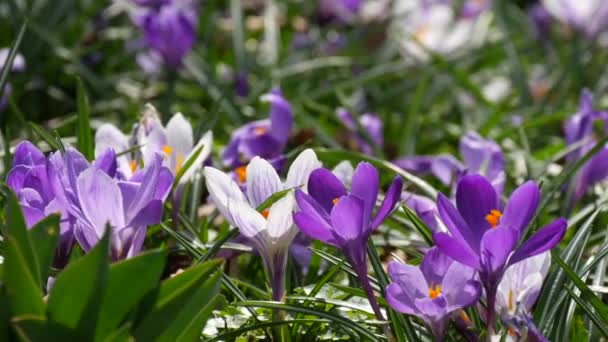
<point>490,301</point>
<point>369,292</point>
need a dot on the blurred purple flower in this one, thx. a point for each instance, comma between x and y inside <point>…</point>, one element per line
<point>241,84</point>
<point>424,207</point>
<point>485,238</point>
<point>169,28</point>
<point>370,123</point>
<point>29,178</point>
<point>18,65</point>
<point>589,16</point>
<point>579,130</point>
<point>540,19</point>
<point>343,11</point>
<point>264,138</point>
<point>332,215</point>
<point>433,290</point>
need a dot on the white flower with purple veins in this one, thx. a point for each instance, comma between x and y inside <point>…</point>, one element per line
<point>436,26</point>
<point>518,291</point>
<point>588,16</point>
<point>271,232</point>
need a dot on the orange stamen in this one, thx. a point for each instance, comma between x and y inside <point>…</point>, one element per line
<point>132,165</point>
<point>493,217</point>
<point>260,130</point>
<point>167,150</point>
<point>241,174</point>
<point>334,201</point>
<point>265,214</point>
<point>434,292</point>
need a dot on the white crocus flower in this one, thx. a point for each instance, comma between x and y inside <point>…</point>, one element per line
<point>436,27</point>
<point>590,16</point>
<point>271,231</point>
<point>518,291</point>
<point>109,136</point>
<point>176,142</point>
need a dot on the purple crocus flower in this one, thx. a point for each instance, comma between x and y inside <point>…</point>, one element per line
<point>29,178</point>
<point>264,138</point>
<point>331,215</point>
<point>432,291</point>
<point>169,28</point>
<point>579,130</point>
<point>370,123</point>
<point>127,206</point>
<point>423,206</point>
<point>589,16</point>
<point>540,19</point>
<point>485,238</point>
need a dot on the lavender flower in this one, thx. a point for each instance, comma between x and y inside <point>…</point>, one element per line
<point>344,220</point>
<point>344,11</point>
<point>370,123</point>
<point>128,207</point>
<point>271,231</point>
<point>433,290</point>
<point>485,238</point>
<point>579,130</point>
<point>30,179</point>
<point>589,16</point>
<point>264,138</point>
<point>169,28</point>
<point>518,291</point>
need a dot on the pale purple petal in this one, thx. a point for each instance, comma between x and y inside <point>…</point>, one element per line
<point>391,198</point>
<point>457,250</point>
<point>347,218</point>
<point>496,246</point>
<point>545,239</point>
<point>365,186</point>
<point>521,206</point>
<point>324,187</point>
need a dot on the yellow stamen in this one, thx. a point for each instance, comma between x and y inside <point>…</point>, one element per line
<point>434,292</point>
<point>420,32</point>
<point>493,217</point>
<point>265,214</point>
<point>464,317</point>
<point>510,303</point>
<point>260,130</point>
<point>241,174</point>
<point>132,165</point>
<point>167,150</point>
<point>179,162</point>
<point>334,201</point>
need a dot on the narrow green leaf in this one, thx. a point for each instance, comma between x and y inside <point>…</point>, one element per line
<point>232,334</point>
<point>601,324</point>
<point>44,236</point>
<point>44,135</point>
<point>75,298</point>
<point>84,134</point>
<point>8,64</point>
<point>128,282</point>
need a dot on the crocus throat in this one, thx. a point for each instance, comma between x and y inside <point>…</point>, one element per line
<point>334,201</point>
<point>132,165</point>
<point>259,130</point>
<point>493,217</point>
<point>434,291</point>
<point>167,150</point>
<point>241,174</point>
<point>179,163</point>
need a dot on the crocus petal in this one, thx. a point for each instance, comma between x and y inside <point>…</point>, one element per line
<point>496,246</point>
<point>27,154</point>
<point>312,219</point>
<point>347,218</point>
<point>109,136</point>
<point>445,168</point>
<point>521,206</point>
<point>262,181</point>
<point>149,215</point>
<point>456,249</point>
<point>205,144</point>
<point>409,278</point>
<point>279,223</point>
<point>146,190</point>
<point>179,139</point>
<point>476,198</point>
<point>399,300</point>
<point>459,286</point>
<point>455,224</point>
<point>543,240</point>
<point>300,169</point>
<point>153,142</point>
<point>106,162</point>
<point>434,265</point>
<point>432,310</point>
<point>365,186</point>
<point>344,171</point>
<point>425,208</point>
<point>100,200</point>
<point>281,117</point>
<point>222,188</point>
<point>324,187</point>
<point>391,198</point>
<point>249,221</point>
